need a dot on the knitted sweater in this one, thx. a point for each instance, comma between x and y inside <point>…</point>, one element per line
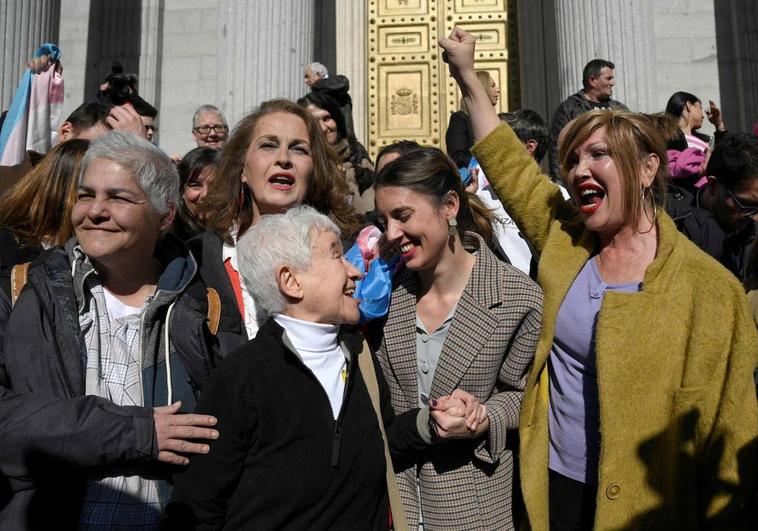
<point>675,362</point>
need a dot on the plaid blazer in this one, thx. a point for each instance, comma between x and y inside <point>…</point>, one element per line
<point>465,484</point>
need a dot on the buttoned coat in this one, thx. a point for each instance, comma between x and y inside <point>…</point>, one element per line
<point>675,362</point>
<point>465,484</point>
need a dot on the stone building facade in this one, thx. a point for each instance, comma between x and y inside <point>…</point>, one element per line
<point>237,53</point>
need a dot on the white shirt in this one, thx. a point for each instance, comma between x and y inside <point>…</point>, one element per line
<point>116,308</point>
<point>506,231</point>
<point>318,347</point>
<point>254,318</point>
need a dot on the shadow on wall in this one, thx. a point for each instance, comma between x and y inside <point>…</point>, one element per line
<point>114,35</point>
<point>737,48</point>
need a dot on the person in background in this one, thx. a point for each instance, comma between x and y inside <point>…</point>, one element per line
<point>196,171</point>
<point>89,121</point>
<point>731,197</point>
<point>36,213</point>
<point>91,384</point>
<point>358,168</point>
<point>394,151</point>
<point>337,87</point>
<point>598,80</point>
<point>276,158</point>
<point>614,435</point>
<point>688,110</point>
<point>459,136</point>
<point>209,127</point>
<point>458,317</point>
<point>511,244</point>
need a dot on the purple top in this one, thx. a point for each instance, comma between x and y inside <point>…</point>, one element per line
<point>574,413</point>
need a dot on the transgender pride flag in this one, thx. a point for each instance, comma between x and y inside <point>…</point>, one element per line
<point>34,114</point>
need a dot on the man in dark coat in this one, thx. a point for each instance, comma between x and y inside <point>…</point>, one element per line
<point>598,81</point>
<point>317,78</point>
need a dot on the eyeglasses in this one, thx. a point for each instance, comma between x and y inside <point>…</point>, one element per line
<point>206,129</point>
<point>746,210</point>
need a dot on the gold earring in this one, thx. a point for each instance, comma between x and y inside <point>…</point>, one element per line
<point>452,226</point>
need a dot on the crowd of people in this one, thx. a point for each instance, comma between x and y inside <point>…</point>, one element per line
<point>184,341</point>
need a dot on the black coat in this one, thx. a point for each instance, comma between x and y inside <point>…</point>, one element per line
<point>52,435</point>
<point>281,460</point>
<point>569,109</point>
<point>207,250</point>
<point>459,138</point>
<point>702,228</point>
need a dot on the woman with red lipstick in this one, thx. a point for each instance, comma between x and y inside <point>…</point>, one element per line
<point>459,318</point>
<point>275,159</point>
<point>639,411</point>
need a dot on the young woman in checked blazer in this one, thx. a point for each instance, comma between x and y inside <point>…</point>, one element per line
<point>459,318</point>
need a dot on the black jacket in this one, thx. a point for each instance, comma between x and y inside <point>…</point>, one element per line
<point>338,88</point>
<point>459,138</point>
<point>702,228</point>
<point>52,436</point>
<point>281,460</point>
<point>207,250</point>
<point>569,109</point>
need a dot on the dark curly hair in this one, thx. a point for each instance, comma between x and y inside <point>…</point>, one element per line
<point>734,160</point>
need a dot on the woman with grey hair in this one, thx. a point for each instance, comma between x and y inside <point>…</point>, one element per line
<point>92,383</point>
<point>300,446</point>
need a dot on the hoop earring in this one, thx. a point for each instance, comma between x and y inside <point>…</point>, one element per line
<point>452,226</point>
<point>644,209</point>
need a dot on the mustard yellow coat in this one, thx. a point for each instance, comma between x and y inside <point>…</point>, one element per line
<point>675,362</point>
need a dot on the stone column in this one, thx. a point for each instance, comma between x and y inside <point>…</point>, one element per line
<point>151,44</point>
<point>264,46</point>
<point>620,31</point>
<point>24,26</point>
<point>351,58</point>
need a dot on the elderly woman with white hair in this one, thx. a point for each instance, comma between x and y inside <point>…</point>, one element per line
<point>300,443</point>
<point>92,384</point>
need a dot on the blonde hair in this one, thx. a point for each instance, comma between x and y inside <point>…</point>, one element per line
<point>630,138</point>
<point>484,78</point>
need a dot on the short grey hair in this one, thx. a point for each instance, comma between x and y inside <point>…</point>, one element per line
<point>319,69</point>
<point>156,174</point>
<point>207,109</point>
<point>276,240</point>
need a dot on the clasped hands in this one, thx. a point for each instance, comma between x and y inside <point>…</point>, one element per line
<point>458,415</point>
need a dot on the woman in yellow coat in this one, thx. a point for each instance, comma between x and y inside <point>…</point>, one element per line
<point>640,410</point>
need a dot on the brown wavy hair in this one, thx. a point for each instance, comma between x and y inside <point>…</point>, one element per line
<point>630,138</point>
<point>229,202</point>
<point>38,208</point>
<point>428,171</point>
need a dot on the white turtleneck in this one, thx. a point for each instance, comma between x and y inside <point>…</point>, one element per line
<point>318,347</point>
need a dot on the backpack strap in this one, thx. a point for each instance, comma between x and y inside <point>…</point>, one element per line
<point>214,310</point>
<point>18,280</point>
<point>366,364</point>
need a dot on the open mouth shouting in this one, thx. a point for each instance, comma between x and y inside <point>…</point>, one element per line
<point>282,181</point>
<point>591,197</point>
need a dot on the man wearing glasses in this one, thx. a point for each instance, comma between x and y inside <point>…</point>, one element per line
<point>209,127</point>
<point>731,196</point>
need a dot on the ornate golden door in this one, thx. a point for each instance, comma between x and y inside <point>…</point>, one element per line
<point>410,92</point>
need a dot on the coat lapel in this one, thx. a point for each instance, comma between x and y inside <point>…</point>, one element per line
<point>400,336</point>
<point>473,322</point>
